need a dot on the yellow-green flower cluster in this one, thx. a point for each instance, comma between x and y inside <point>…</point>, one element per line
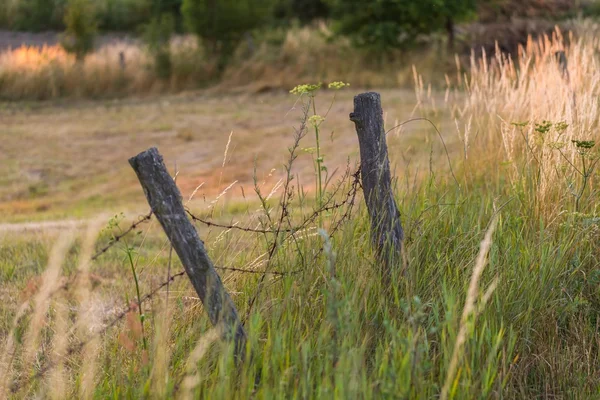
<point>316,120</point>
<point>305,89</point>
<point>338,85</point>
<point>584,144</point>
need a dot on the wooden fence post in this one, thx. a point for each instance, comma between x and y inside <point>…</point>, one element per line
<point>386,230</point>
<point>165,200</point>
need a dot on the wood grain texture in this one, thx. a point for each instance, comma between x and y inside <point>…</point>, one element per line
<point>166,203</point>
<point>386,229</point>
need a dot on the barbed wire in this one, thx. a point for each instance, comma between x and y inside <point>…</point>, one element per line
<point>330,205</point>
<point>79,346</point>
<point>117,238</point>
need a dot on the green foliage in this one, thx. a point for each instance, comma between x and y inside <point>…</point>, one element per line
<point>157,35</point>
<point>384,24</point>
<point>307,93</point>
<point>304,10</point>
<point>112,15</point>
<point>172,7</point>
<point>330,330</point>
<point>591,9</point>
<point>326,327</point>
<point>36,15</point>
<point>81,28</point>
<point>4,15</point>
<point>123,15</point>
<point>221,24</point>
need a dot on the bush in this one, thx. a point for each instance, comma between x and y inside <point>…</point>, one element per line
<point>386,24</point>
<point>304,10</point>
<point>81,28</point>
<point>157,35</point>
<point>222,24</point>
<point>172,7</point>
<point>4,15</point>
<point>499,10</point>
<point>123,15</point>
<point>36,15</point>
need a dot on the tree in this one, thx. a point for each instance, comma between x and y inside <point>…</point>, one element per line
<point>36,15</point>
<point>172,7</point>
<point>304,10</point>
<point>384,24</point>
<point>221,24</point>
<point>157,35</point>
<point>122,15</point>
<point>494,10</point>
<point>453,10</point>
<point>81,28</point>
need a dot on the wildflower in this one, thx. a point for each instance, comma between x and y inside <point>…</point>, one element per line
<point>305,89</point>
<point>316,120</point>
<point>561,126</point>
<point>544,127</point>
<point>584,144</point>
<point>337,85</point>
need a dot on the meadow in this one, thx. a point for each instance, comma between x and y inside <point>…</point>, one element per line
<point>278,59</point>
<point>497,296</point>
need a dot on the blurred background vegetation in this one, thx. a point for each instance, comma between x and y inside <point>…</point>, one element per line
<point>171,45</point>
<point>380,23</point>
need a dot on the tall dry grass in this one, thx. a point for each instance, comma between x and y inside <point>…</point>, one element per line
<point>86,318</point>
<point>41,300</point>
<point>527,113</point>
<point>58,380</point>
<point>120,69</point>
<point>9,352</point>
<point>35,354</point>
<point>275,60</point>
<point>315,54</point>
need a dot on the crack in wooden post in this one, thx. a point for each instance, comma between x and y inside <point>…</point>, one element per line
<point>386,229</point>
<point>165,200</point>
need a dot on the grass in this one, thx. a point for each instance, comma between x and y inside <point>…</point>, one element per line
<point>276,59</point>
<point>113,71</point>
<point>499,298</point>
<point>79,164</point>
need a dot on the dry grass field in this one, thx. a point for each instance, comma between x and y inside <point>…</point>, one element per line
<point>70,160</point>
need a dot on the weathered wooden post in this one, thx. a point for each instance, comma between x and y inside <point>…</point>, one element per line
<point>165,200</point>
<point>386,230</point>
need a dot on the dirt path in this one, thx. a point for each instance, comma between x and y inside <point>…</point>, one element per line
<point>42,226</point>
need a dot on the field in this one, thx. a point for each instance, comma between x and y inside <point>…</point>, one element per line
<point>497,296</point>
<point>79,163</point>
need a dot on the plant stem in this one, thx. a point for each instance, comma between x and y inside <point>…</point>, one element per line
<point>319,160</point>
<point>583,186</point>
<point>137,290</point>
